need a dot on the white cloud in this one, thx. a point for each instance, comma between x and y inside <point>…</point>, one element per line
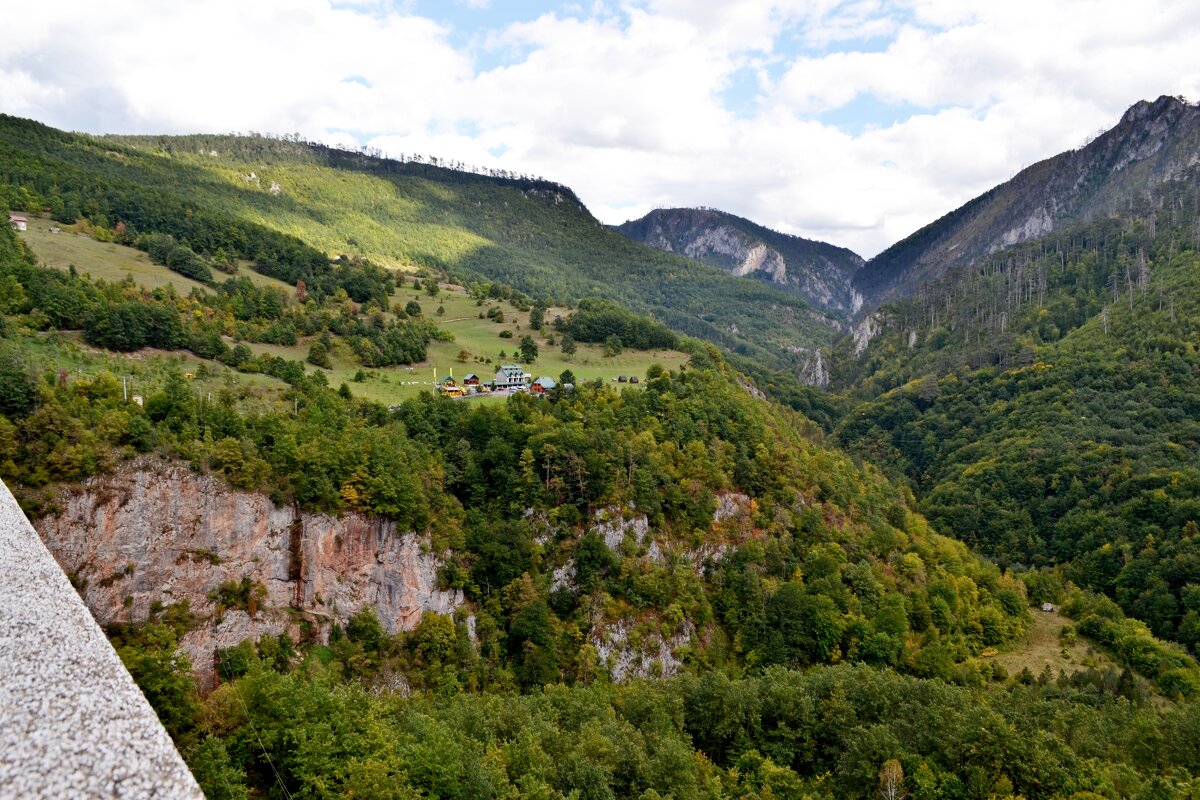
<point>629,102</point>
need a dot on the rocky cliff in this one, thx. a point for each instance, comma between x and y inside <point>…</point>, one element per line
<point>159,532</point>
<point>1154,142</point>
<point>821,273</point>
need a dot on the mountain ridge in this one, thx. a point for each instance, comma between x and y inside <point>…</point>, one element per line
<point>1153,141</point>
<point>819,272</point>
<point>309,202</point>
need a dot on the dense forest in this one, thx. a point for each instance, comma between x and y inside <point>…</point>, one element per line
<point>824,565</point>
<point>1043,407</point>
<point>801,620</point>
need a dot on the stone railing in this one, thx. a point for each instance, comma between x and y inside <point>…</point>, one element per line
<point>72,721</point>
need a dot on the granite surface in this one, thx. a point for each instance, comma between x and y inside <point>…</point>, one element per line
<point>72,721</point>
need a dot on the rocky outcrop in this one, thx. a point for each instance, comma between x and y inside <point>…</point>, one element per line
<point>817,271</point>
<point>160,533</point>
<point>866,330</point>
<point>631,651</point>
<point>157,532</point>
<point>815,373</point>
<point>613,526</point>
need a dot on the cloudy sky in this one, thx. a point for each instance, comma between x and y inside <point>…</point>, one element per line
<point>854,122</point>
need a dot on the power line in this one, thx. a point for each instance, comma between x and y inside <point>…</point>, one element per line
<point>258,736</point>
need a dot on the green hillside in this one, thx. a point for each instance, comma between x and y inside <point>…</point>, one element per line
<point>1044,408</point>
<point>822,565</point>
<point>285,205</point>
<point>473,341</point>
<point>793,620</point>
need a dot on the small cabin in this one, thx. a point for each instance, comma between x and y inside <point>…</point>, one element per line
<point>621,379</point>
<point>543,385</point>
<point>20,223</point>
<point>449,388</point>
<point>471,379</point>
<point>635,379</point>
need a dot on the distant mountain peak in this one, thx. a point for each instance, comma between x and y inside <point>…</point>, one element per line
<point>819,272</point>
<point>1164,105</point>
<point>1155,141</point>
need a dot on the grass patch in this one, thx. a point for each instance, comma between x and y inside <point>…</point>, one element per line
<point>1043,647</point>
<point>480,338</point>
<point>390,385</point>
<point>113,262</point>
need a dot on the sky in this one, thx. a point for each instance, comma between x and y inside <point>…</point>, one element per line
<point>852,122</point>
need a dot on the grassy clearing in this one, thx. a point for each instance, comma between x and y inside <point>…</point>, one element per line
<point>481,339</point>
<point>1042,647</point>
<point>461,316</point>
<point>113,262</point>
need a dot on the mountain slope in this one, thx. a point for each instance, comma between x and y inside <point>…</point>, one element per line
<point>308,202</point>
<point>819,272</point>
<point>1152,143</point>
<point>1043,404</point>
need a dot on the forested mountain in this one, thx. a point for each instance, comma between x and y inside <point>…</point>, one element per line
<point>288,205</point>
<point>679,590</point>
<point>1043,401</point>
<point>1154,142</point>
<point>687,529</point>
<point>821,273</point>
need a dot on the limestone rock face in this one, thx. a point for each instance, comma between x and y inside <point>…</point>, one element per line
<point>821,273</point>
<point>159,532</point>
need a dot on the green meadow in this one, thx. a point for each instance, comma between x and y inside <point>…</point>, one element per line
<point>462,315</point>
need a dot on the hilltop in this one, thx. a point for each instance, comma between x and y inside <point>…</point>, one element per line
<point>286,207</point>
<point>821,273</point>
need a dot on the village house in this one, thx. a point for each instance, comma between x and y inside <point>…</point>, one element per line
<point>511,376</point>
<point>20,223</point>
<point>449,388</point>
<point>470,379</point>
<point>543,385</point>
